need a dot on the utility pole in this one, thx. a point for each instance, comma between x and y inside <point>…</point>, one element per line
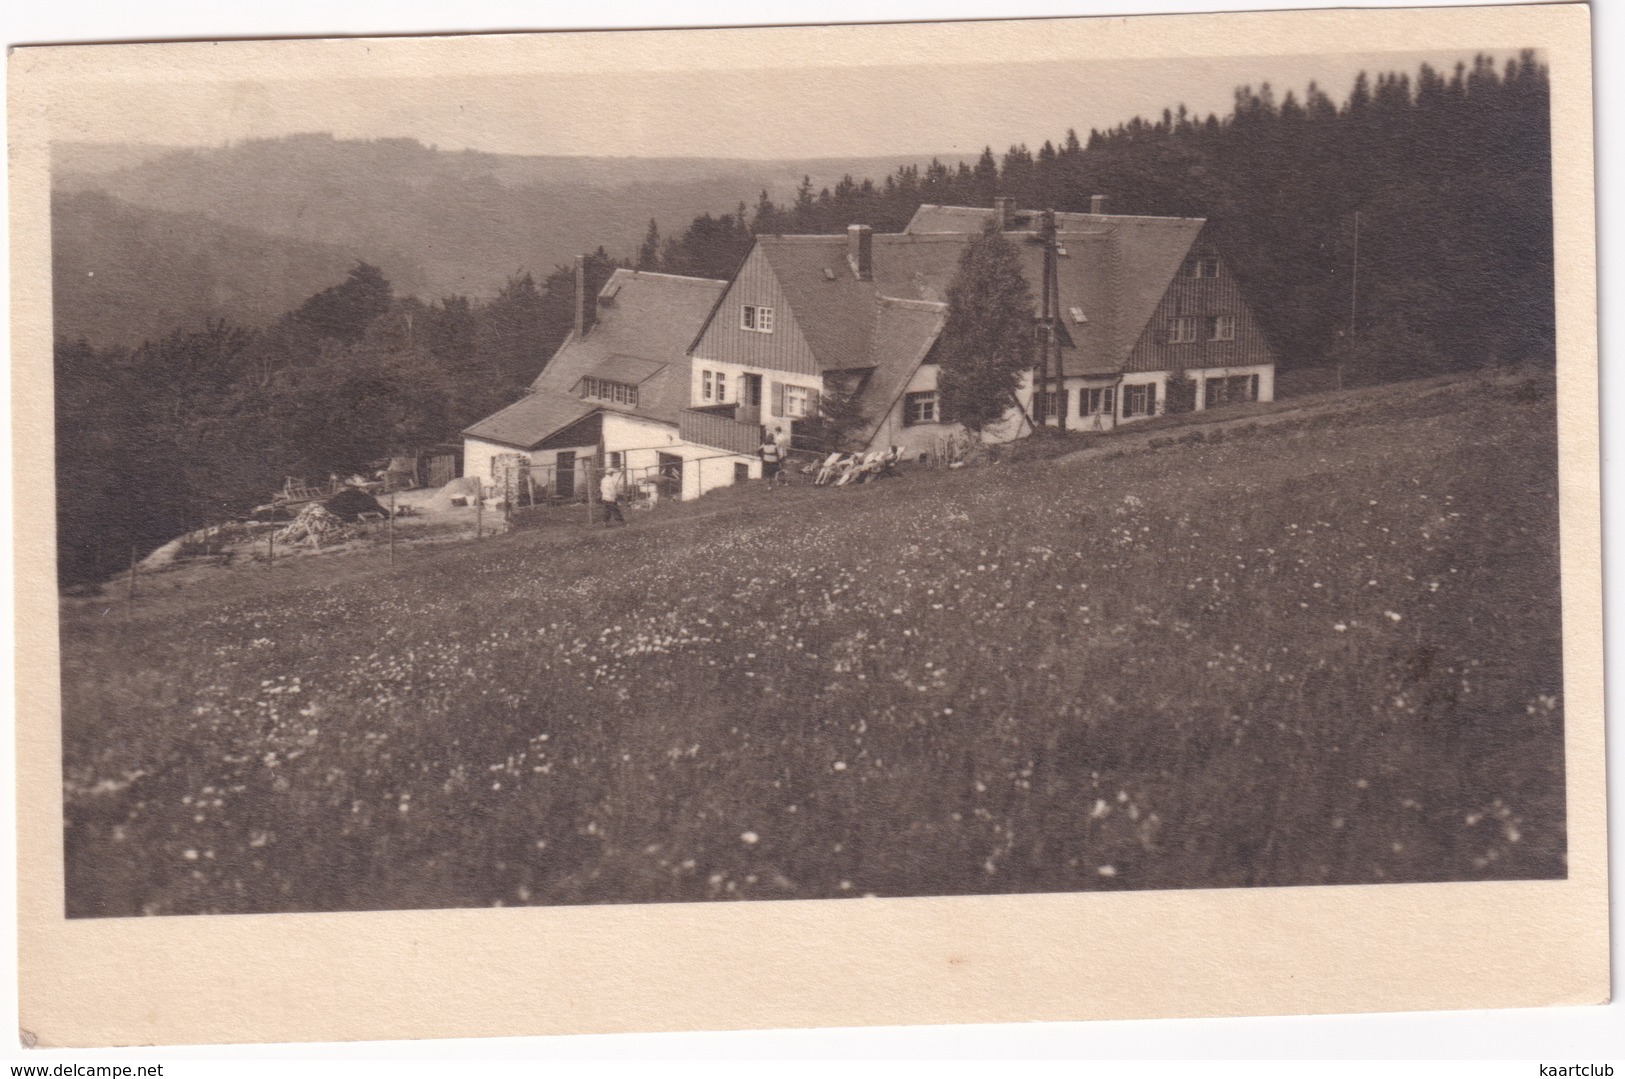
<point>1354,300</point>
<point>1051,382</point>
<point>392,528</point>
<point>1052,252</point>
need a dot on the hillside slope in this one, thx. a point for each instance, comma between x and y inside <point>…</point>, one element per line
<point>1322,652</point>
<point>122,273</point>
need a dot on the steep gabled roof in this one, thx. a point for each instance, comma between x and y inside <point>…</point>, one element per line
<point>1117,269</point>
<point>643,336</point>
<point>640,338</point>
<point>904,332</point>
<point>834,311</point>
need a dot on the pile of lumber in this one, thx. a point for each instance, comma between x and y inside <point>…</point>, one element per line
<point>315,525</point>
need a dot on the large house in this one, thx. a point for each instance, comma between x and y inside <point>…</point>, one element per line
<point>1141,301</point>
<point>617,392</point>
<point>685,375</point>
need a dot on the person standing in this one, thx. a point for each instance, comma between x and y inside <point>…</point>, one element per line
<point>783,440</point>
<point>609,492</point>
<point>772,459</point>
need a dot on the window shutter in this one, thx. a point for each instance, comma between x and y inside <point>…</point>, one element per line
<point>814,400</point>
<point>1060,411</point>
<point>1254,389</point>
<point>1151,399</point>
<point>778,399</point>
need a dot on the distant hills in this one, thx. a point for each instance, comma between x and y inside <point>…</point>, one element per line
<point>148,235</point>
<point>123,273</point>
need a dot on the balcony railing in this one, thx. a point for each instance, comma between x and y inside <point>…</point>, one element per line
<point>712,428</point>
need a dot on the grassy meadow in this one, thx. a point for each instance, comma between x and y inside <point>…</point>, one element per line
<point>1325,651</point>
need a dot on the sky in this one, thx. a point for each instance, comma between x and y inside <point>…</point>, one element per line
<point>777,113</point>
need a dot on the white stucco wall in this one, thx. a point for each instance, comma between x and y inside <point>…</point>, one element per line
<point>920,438</point>
<point>1264,371</point>
<point>734,373</point>
<point>477,455</point>
<point>1100,421</point>
<point>641,442</point>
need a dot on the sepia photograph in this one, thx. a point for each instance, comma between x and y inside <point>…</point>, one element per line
<point>969,475</point>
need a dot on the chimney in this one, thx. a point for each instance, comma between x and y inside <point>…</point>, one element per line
<point>1003,208</point>
<point>1097,204</point>
<point>586,306</point>
<point>860,241</point>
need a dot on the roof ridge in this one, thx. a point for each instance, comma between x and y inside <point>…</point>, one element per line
<point>682,278</point>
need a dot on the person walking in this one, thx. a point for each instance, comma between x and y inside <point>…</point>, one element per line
<point>609,492</point>
<point>772,458</point>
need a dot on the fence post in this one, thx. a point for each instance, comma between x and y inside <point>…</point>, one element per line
<point>270,550</point>
<point>592,483</point>
<point>479,512</point>
<point>132,571</point>
<point>392,528</point>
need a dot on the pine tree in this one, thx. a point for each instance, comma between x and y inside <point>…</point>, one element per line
<point>987,345</point>
<point>649,253</point>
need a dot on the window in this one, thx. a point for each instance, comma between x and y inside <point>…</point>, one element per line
<point>920,408</point>
<point>759,319</point>
<point>602,389</point>
<point>1221,327</point>
<point>797,401</point>
<point>1097,402</point>
<point>616,460</point>
<point>1181,330</point>
<point>1229,390</point>
<point>1203,266</point>
<point>1078,316</point>
<point>1048,404</point>
<point>1140,400</point>
<point>705,385</point>
<point>722,386</point>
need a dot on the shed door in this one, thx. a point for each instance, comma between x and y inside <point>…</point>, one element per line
<point>564,475</point>
<point>671,475</point>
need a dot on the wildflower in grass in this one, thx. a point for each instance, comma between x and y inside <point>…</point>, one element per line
<point>1107,871</point>
<point>748,838</point>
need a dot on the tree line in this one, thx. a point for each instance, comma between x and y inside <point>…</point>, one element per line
<point>1442,179</point>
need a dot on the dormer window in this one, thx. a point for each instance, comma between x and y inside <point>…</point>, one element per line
<point>602,389</point>
<point>1078,316</point>
<point>756,319</point>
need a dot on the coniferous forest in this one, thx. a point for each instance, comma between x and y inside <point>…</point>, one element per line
<point>1441,178</point>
